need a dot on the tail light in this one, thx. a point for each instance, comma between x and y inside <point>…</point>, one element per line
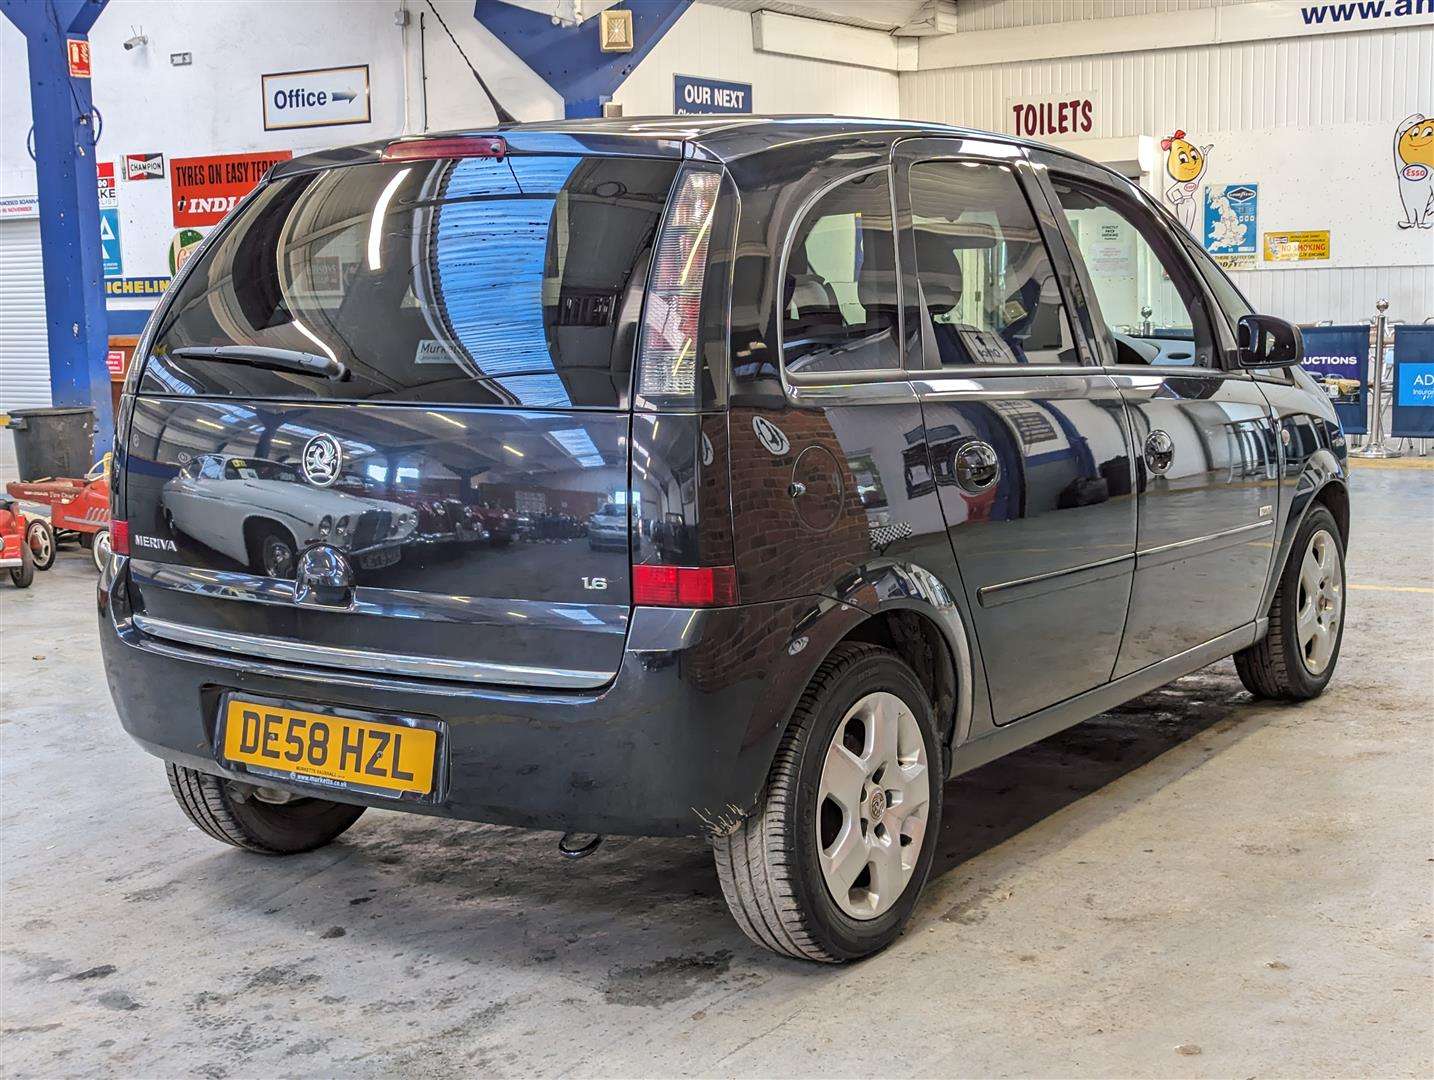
<point>667,358</point>
<point>684,586</point>
<point>119,537</point>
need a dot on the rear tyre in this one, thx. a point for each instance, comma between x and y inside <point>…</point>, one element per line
<point>1296,658</point>
<point>830,865</point>
<point>100,549</point>
<point>40,538</point>
<point>24,574</point>
<point>237,814</point>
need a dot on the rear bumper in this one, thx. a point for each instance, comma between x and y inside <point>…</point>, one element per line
<point>679,743</point>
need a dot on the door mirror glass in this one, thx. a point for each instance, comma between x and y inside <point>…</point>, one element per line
<point>1268,342</point>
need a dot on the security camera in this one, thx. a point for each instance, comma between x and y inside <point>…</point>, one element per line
<point>135,42</point>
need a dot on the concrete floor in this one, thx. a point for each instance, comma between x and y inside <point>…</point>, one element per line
<point>1192,885</point>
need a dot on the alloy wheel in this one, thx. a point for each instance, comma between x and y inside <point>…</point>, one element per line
<point>872,805</point>
<point>1321,602</point>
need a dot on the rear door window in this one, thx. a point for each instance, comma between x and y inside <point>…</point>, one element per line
<point>509,282</point>
<point>988,288</point>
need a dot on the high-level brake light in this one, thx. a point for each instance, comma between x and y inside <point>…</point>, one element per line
<point>453,146</point>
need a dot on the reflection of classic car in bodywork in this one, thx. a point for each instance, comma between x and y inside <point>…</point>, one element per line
<point>261,513</point>
<point>1339,389</point>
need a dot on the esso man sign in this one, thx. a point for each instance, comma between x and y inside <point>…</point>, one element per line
<point>321,98</point>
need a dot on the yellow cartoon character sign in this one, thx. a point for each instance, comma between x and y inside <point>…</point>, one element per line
<point>1414,162</point>
<point>1185,165</point>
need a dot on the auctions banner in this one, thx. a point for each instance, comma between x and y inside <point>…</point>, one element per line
<point>1338,358</point>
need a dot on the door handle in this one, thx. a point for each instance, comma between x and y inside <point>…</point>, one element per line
<point>977,466</point>
<point>1159,451</point>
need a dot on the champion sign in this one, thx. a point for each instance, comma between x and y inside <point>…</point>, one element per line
<point>144,166</point>
<point>321,98</point>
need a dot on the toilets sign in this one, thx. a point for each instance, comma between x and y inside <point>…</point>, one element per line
<point>691,96</point>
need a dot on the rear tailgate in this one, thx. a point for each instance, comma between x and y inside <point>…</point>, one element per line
<point>485,311</point>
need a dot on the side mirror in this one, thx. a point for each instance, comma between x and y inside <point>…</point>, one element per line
<point>1268,342</point>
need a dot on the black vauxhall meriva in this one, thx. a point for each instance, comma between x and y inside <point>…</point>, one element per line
<point>929,443</point>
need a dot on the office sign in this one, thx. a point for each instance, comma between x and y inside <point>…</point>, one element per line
<point>1413,412</point>
<point>204,189</point>
<point>1338,358</point>
<point>144,167</point>
<point>324,97</point>
<point>692,96</point>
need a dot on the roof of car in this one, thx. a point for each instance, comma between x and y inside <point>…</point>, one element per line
<point>715,137</point>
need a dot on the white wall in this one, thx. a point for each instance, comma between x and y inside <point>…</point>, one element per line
<point>213,106</point>
<point>716,43</point>
<point>1311,120</point>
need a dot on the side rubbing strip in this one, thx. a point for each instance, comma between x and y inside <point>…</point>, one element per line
<point>1026,588</point>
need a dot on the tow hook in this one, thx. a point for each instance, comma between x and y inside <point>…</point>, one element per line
<point>570,850</point>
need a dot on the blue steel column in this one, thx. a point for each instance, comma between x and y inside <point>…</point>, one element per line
<point>69,206</point>
<point>569,58</point>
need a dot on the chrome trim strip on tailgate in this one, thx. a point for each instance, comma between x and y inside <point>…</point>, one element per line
<point>388,603</point>
<point>360,659</point>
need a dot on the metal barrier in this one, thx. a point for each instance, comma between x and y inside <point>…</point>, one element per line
<point>1374,446</point>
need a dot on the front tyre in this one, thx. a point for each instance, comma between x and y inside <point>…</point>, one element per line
<point>831,863</point>
<point>1296,658</point>
<point>252,818</point>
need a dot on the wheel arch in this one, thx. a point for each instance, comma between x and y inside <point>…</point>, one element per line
<point>907,608</point>
<point>1323,481</point>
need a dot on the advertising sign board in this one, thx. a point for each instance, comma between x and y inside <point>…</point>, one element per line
<point>1413,412</point>
<point>1338,358</point>
<point>1304,246</point>
<point>110,243</point>
<point>1231,235</point>
<point>144,166</point>
<point>204,189</point>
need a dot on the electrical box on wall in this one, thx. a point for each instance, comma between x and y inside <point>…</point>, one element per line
<point>615,31</point>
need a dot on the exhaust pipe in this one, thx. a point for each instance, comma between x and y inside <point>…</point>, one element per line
<point>569,850</point>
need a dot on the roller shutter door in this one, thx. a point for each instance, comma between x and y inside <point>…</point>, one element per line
<point>24,352</point>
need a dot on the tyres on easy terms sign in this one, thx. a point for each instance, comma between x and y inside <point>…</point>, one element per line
<point>692,95</point>
<point>324,97</point>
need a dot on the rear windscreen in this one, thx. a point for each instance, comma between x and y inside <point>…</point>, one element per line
<point>497,282</point>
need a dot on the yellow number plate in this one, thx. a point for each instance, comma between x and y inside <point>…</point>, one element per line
<point>335,750</point>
